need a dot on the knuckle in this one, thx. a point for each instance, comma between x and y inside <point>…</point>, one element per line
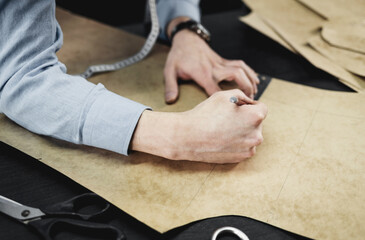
<point>217,61</point>
<point>258,121</point>
<point>251,152</point>
<point>256,117</point>
<point>241,63</point>
<point>172,155</point>
<point>238,72</point>
<point>259,116</point>
<point>235,74</point>
<point>259,139</point>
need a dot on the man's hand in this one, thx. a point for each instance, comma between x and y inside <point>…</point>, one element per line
<point>215,131</point>
<point>191,58</point>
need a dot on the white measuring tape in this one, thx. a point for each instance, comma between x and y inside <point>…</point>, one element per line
<point>145,50</point>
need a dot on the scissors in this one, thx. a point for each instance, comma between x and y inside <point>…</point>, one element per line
<point>67,214</point>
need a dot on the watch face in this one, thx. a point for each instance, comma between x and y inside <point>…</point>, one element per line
<point>203,28</point>
<point>201,31</point>
<point>193,26</point>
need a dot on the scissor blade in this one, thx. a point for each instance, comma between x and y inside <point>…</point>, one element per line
<point>17,210</point>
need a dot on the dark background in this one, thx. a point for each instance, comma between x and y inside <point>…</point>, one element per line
<point>130,12</point>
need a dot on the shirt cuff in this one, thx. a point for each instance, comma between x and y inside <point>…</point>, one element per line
<point>168,10</point>
<point>111,121</point>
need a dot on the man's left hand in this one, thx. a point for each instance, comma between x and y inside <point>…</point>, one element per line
<point>191,58</point>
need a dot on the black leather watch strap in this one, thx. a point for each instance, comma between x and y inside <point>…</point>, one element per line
<point>192,26</point>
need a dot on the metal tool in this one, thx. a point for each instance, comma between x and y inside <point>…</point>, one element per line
<point>145,50</point>
<point>264,82</point>
<point>231,230</point>
<point>63,215</point>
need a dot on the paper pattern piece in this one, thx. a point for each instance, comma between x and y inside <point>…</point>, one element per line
<point>332,9</point>
<point>307,176</point>
<point>352,61</point>
<point>296,26</point>
<point>345,33</point>
<point>255,21</point>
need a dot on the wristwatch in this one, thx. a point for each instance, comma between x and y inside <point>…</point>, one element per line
<point>194,27</point>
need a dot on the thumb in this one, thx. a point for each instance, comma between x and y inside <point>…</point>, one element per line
<point>171,87</point>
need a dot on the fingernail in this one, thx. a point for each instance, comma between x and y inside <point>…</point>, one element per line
<point>170,97</point>
<point>251,96</point>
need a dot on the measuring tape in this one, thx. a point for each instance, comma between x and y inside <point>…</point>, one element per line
<point>145,50</point>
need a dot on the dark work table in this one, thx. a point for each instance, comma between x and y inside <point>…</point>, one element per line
<point>30,182</point>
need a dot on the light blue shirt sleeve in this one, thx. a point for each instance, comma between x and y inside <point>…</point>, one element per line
<point>170,9</point>
<point>38,94</point>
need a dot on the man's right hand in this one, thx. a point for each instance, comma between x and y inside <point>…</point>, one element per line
<point>215,131</point>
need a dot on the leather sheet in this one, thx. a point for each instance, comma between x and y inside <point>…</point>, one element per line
<point>307,176</point>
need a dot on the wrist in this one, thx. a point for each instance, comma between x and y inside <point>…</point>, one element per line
<point>156,134</point>
<point>173,23</point>
<point>185,36</point>
<point>190,25</point>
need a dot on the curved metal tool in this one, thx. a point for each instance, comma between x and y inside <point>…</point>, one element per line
<point>236,232</point>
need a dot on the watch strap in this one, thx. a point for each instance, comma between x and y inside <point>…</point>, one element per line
<point>192,26</point>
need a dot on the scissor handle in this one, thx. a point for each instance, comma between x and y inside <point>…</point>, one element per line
<point>49,227</point>
<point>71,207</point>
<point>234,231</point>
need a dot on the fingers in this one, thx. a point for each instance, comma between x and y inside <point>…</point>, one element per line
<point>239,76</point>
<point>211,87</point>
<point>205,79</point>
<point>241,98</point>
<point>171,86</point>
<point>246,73</point>
<point>241,64</point>
<point>224,158</point>
<point>255,115</point>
